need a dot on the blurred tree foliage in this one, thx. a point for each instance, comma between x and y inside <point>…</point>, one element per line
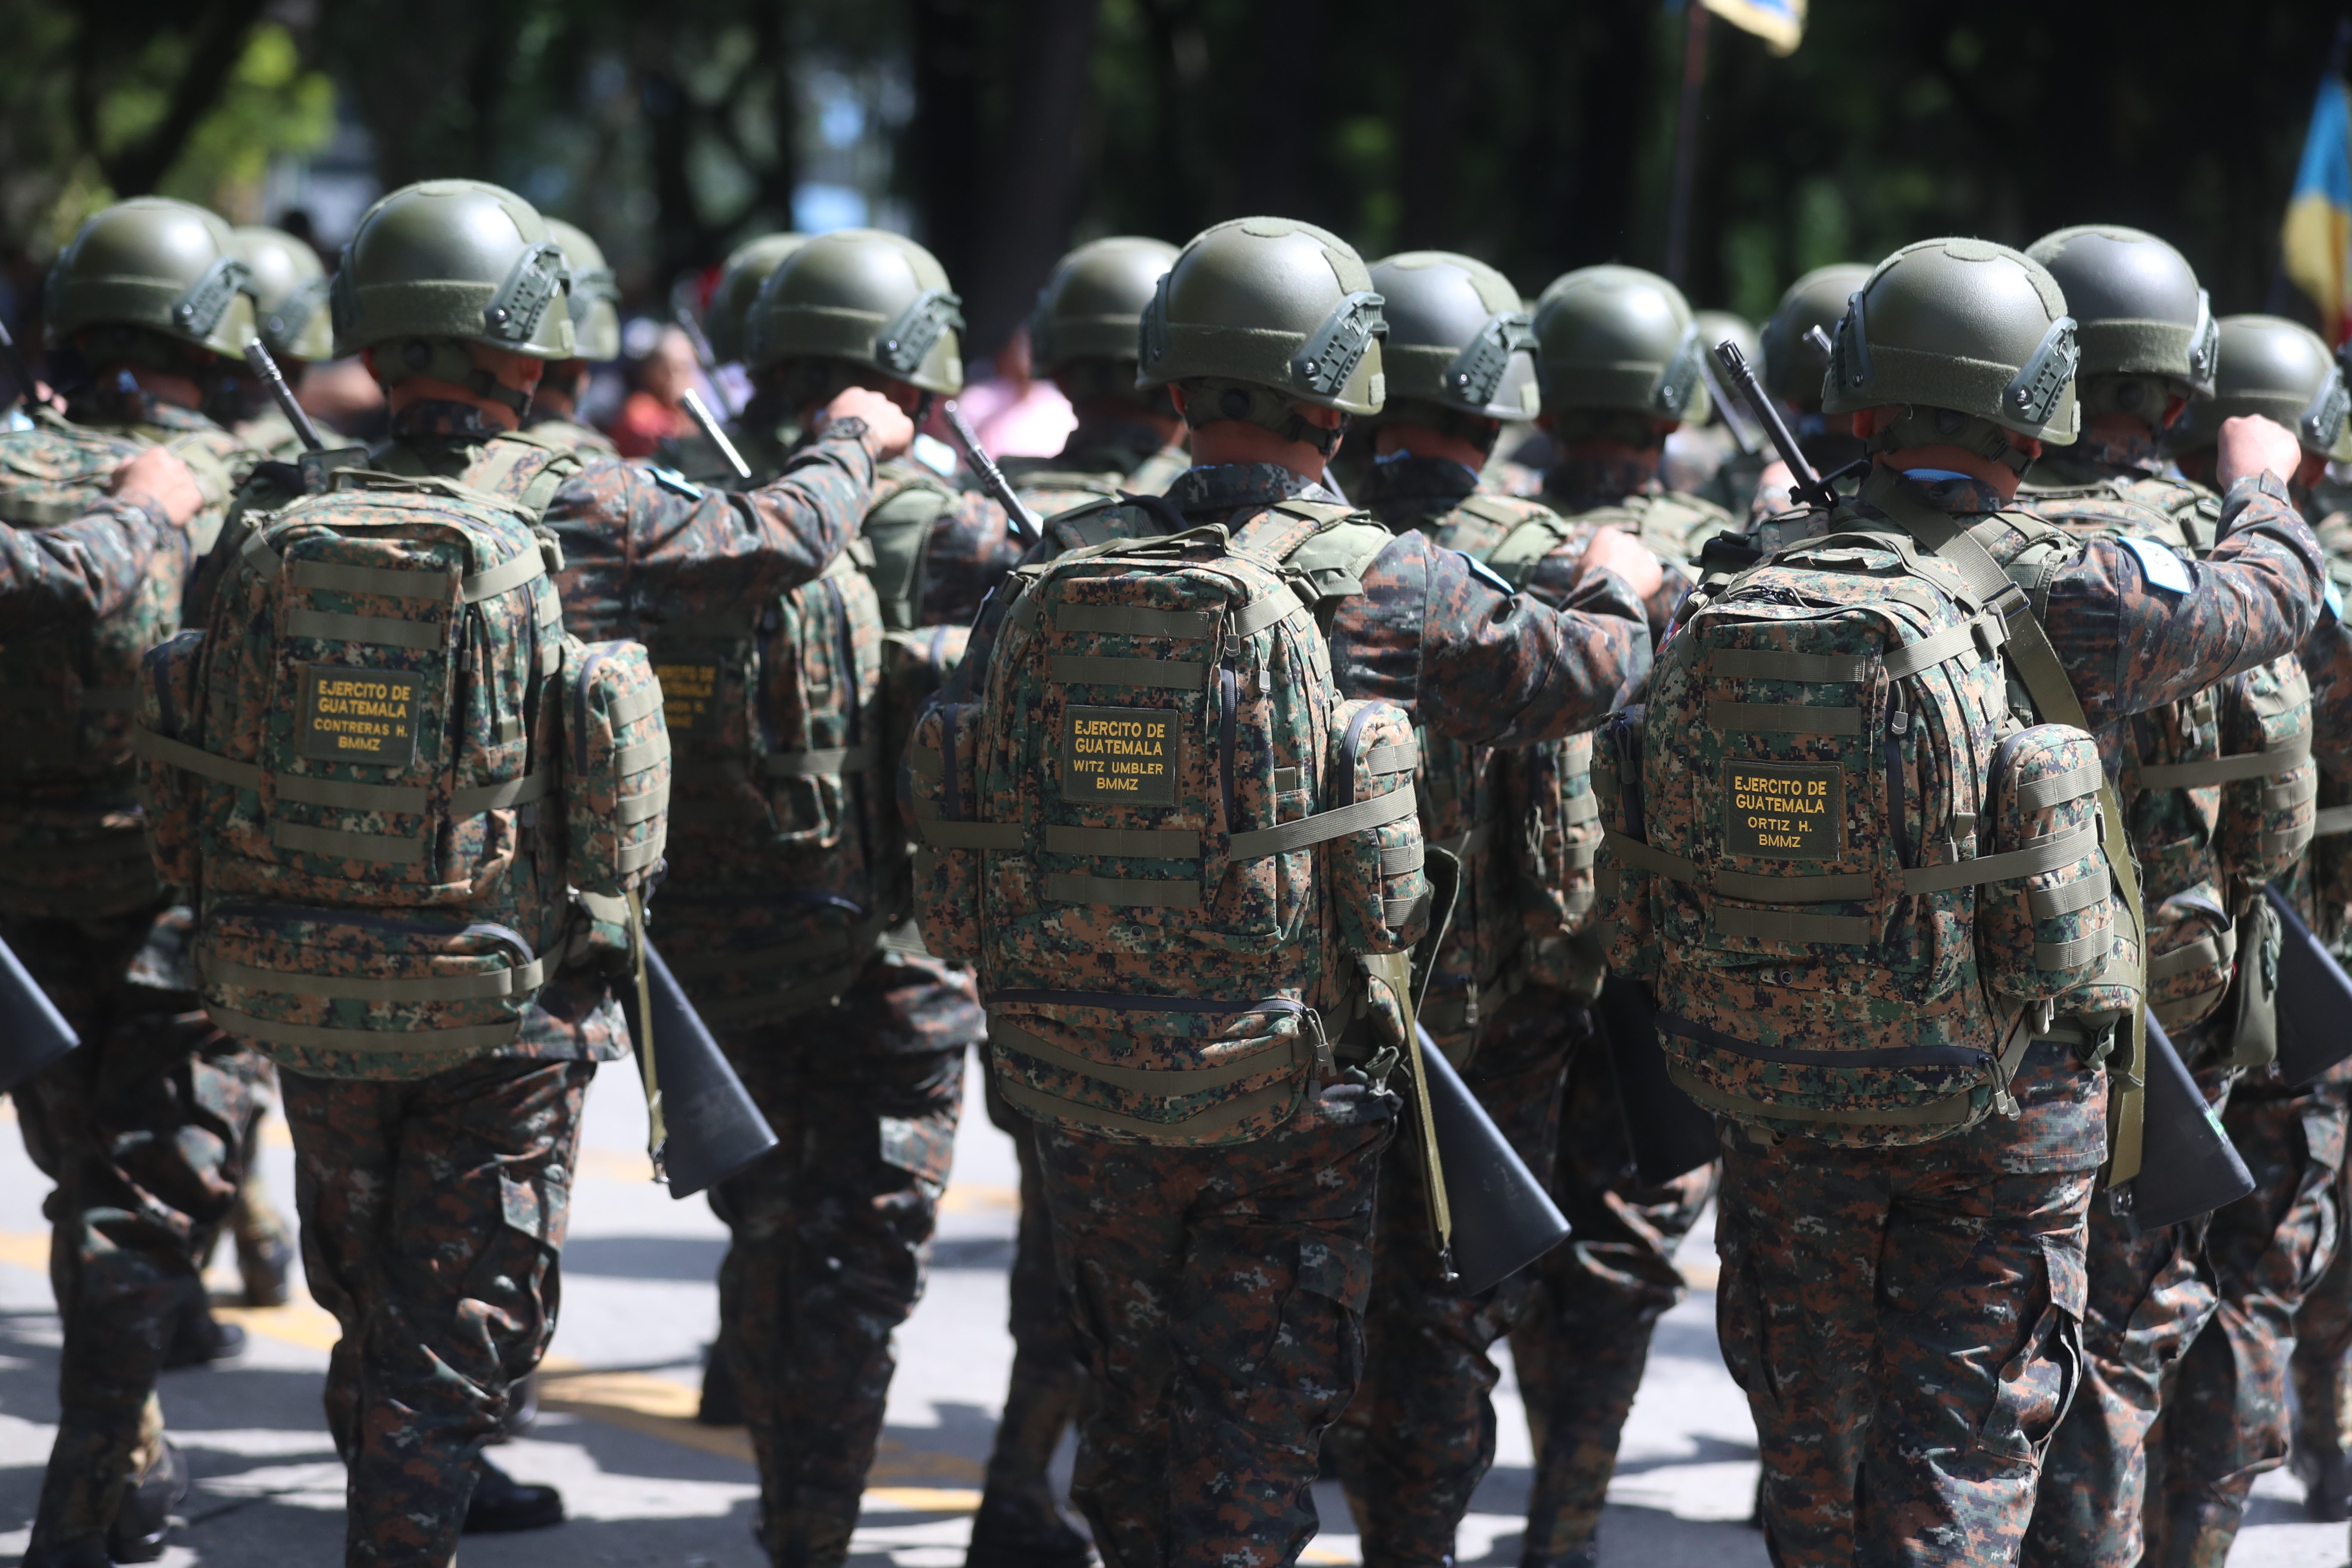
<point>1533,133</point>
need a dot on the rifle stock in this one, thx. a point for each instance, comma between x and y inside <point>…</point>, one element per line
<point>2314,999</point>
<point>714,1129</point>
<point>1504,1218</point>
<point>2193,1168</point>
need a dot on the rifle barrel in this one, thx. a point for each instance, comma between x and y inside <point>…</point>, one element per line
<point>1026,524</point>
<point>1810,490</point>
<point>703,416</point>
<point>257,356</point>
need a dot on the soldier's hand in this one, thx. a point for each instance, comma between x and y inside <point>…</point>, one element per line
<point>1622,555</point>
<point>893,432</point>
<point>156,478</point>
<point>2251,444</point>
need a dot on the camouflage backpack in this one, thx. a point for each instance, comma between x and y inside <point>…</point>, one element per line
<point>779,863</point>
<point>71,844</point>
<point>1524,823</point>
<point>1855,880</point>
<point>2219,788</point>
<point>382,763</point>
<point>1182,864</point>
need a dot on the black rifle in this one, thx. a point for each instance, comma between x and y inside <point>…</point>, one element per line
<point>33,1033</point>
<point>282,395</point>
<point>1504,1218</point>
<point>1811,489</point>
<point>2192,1167</point>
<point>1026,524</point>
<point>17,369</point>
<point>2314,999</point>
<point>1668,1132</point>
<point>705,1126</point>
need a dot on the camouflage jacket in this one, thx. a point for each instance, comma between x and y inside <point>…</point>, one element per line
<point>1095,464</point>
<point>89,568</point>
<point>570,435</point>
<point>1673,526</point>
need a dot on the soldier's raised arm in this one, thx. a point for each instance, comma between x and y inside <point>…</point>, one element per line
<point>680,547</point>
<point>95,565</point>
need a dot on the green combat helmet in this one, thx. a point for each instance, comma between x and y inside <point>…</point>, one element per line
<point>1973,337</point>
<point>157,265</point>
<point>745,269</point>
<point>1792,365</point>
<point>852,303</point>
<point>290,287</point>
<point>1460,353</point>
<point>1617,350</point>
<point>2144,330</point>
<point>596,297</point>
<point>2279,370</point>
<point>437,265</point>
<point>1083,333</point>
<point>1259,314</point>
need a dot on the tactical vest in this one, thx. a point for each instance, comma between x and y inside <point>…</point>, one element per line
<point>1669,523</point>
<point>382,763</point>
<point>1049,490</point>
<point>1858,881</point>
<point>2219,789</point>
<point>1523,822</point>
<point>1182,862</point>
<point>70,840</point>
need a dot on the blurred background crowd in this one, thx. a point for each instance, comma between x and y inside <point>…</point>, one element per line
<point>1538,135</point>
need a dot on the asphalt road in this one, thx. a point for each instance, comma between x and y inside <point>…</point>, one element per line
<point>645,1484</point>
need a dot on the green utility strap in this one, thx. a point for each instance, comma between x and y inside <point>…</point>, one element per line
<point>1394,970</point>
<point>1283,1054</point>
<point>1324,826</point>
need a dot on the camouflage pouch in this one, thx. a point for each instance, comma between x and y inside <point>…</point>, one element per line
<point>2192,946</point>
<point>1375,871</point>
<point>1625,891</point>
<point>372,727</point>
<point>940,802</point>
<point>617,770</point>
<point>2268,816</point>
<point>2039,935</point>
<point>1552,802</point>
<point>1160,924</point>
<point>167,701</point>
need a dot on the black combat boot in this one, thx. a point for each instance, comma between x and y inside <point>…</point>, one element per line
<point>199,1339</point>
<point>502,1504</point>
<point>2326,1486</point>
<point>1025,1530</point>
<point>143,1524</point>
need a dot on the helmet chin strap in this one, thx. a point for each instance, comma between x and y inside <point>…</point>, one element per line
<point>1921,426</point>
<point>1209,399</point>
<point>449,359</point>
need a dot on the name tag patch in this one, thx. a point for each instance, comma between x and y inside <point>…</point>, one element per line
<point>360,715</point>
<point>1783,811</point>
<point>687,694</point>
<point>1126,755</point>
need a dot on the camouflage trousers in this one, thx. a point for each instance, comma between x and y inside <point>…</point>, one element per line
<point>1581,1345</point>
<point>1906,1325</point>
<point>1049,1386</point>
<point>142,1130</point>
<point>433,1211</point>
<point>2323,1340</point>
<point>1217,1298</point>
<point>832,1233</point>
<point>2149,1293</point>
<point>1420,1435</point>
<point>2226,1411</point>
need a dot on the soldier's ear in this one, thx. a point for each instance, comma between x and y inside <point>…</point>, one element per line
<point>1176,396</point>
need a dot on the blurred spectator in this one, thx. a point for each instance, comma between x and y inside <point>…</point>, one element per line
<point>1013,414</point>
<point>656,411</point>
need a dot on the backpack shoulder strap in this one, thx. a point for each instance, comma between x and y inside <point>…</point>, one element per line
<point>1332,561</point>
<point>522,471</point>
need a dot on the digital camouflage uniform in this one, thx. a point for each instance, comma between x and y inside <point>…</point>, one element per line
<point>1174,1286</point>
<point>2226,1407</point>
<point>2149,1294</point>
<point>862,1078</point>
<point>1907,1322</point>
<point>1580,1347</point>
<point>1421,1434</point>
<point>144,1127</point>
<point>566,433</point>
<point>444,1281</point>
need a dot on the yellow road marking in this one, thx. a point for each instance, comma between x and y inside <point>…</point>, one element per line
<point>978,1197</point>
